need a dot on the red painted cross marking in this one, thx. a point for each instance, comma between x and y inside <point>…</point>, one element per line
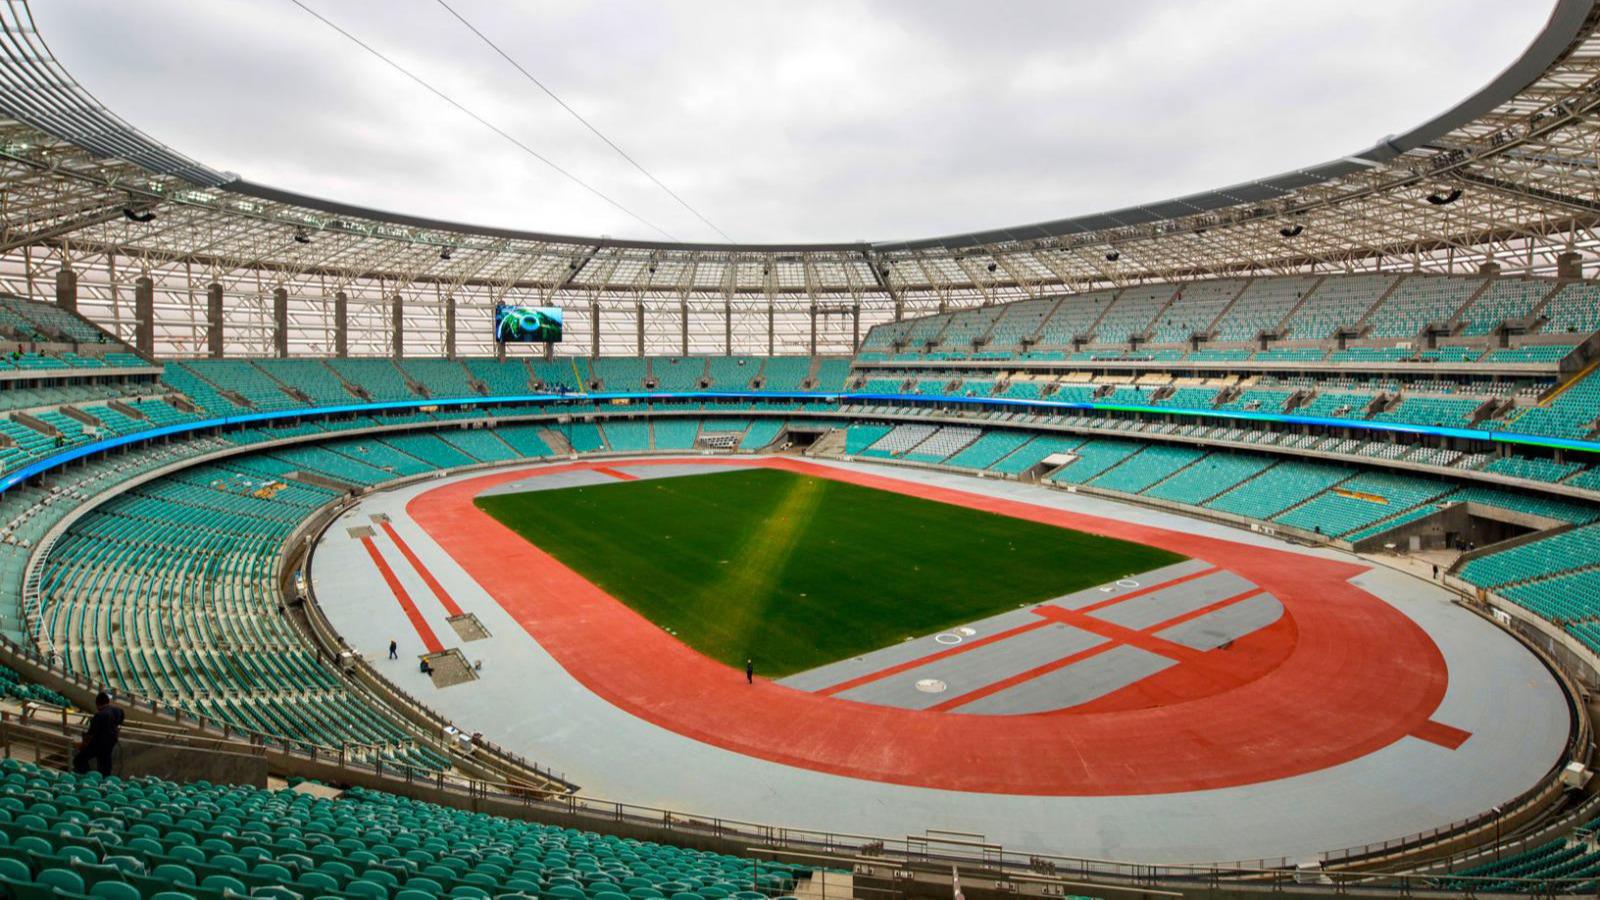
<point>429,639</point>
<point>998,636</point>
<point>1446,736</point>
<point>433,584</point>
<point>1081,655</point>
<point>616,473</point>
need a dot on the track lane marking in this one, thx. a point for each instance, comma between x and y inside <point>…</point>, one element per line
<point>429,639</point>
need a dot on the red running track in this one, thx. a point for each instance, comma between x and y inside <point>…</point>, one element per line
<point>1359,676</point>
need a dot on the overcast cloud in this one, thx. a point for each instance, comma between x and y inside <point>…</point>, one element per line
<point>783,120</point>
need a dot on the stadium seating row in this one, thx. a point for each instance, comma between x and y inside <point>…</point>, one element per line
<point>72,836</point>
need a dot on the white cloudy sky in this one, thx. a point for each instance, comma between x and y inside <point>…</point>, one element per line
<point>783,120</point>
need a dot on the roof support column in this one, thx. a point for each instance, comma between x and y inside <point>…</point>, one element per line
<point>397,326</point>
<point>144,315</point>
<point>772,326</point>
<point>214,334</point>
<point>594,327</point>
<point>341,324</point>
<point>855,325</point>
<point>727,326</point>
<point>813,343</point>
<point>1569,265</point>
<point>67,289</point>
<point>280,322</point>
<point>450,326</point>
<point>683,323</point>
<point>638,326</point>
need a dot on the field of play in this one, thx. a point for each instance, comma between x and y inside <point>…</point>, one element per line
<point>795,571</point>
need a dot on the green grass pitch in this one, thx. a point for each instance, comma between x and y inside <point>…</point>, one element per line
<point>794,571</point>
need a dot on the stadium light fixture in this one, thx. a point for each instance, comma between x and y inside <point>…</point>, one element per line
<point>444,253</point>
<point>1438,199</point>
<point>143,217</point>
<point>301,236</point>
<point>1113,256</point>
<point>1293,231</point>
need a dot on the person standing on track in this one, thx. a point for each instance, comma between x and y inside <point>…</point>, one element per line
<point>394,650</point>
<point>749,671</point>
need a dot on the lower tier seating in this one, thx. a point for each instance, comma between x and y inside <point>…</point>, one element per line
<point>145,838</point>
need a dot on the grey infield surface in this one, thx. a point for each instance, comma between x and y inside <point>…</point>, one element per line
<point>1085,680</point>
<point>975,668</point>
<point>1229,623</point>
<point>1170,602</point>
<point>848,669</point>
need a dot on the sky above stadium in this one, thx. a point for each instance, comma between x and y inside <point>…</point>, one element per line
<point>778,120</point>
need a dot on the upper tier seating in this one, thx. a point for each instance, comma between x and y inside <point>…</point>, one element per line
<point>1505,299</point>
<point>237,376</point>
<point>1262,307</point>
<point>1574,309</point>
<point>1073,316</point>
<point>1418,301</point>
<point>673,373</point>
<point>554,374</point>
<point>1340,301</point>
<point>1132,313</point>
<point>313,378</point>
<point>1017,322</point>
<point>967,326</point>
<point>619,373</point>
<point>734,373</point>
<point>1193,310</point>
<point>380,378</point>
<point>36,321</point>
<point>780,373</point>
<point>832,373</point>
<point>443,378</point>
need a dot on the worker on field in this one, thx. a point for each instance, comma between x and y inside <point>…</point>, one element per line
<point>749,671</point>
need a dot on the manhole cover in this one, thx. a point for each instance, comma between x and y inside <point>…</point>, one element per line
<point>931,686</point>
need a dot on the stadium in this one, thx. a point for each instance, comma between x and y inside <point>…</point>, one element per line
<point>1243,542</point>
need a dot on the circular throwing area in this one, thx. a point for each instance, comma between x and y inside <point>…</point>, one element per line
<point>1244,678</point>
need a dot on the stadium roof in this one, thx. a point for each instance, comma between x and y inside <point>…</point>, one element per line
<point>1510,174</point>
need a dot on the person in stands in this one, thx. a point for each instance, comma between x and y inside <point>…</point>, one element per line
<point>101,738</point>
